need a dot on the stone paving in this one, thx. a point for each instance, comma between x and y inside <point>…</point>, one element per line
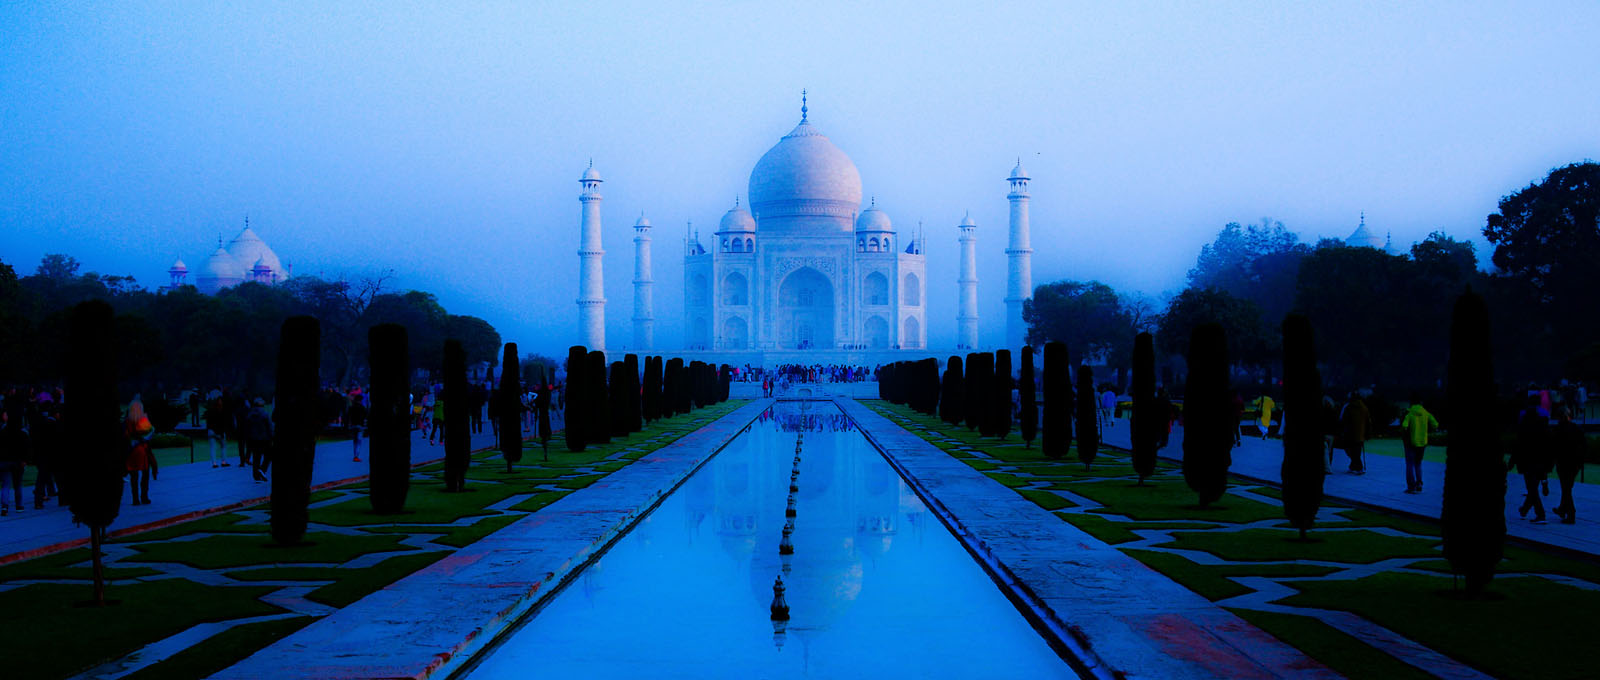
<point>428,624</point>
<point>1123,618</point>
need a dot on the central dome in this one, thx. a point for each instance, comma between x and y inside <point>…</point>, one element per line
<point>805,175</point>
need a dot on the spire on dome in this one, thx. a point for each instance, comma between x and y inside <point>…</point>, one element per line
<point>803,108</point>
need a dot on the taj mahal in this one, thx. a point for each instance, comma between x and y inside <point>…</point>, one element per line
<point>804,273</point>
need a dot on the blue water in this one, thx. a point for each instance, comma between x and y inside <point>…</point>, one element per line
<point>877,587</point>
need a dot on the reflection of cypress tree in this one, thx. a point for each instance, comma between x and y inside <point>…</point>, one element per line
<point>630,368</point>
<point>1303,466</point>
<point>1000,389</point>
<point>576,417</point>
<point>1030,407</point>
<point>597,400</point>
<point>96,456</point>
<point>951,391</point>
<point>508,408</point>
<point>1208,418</point>
<point>1088,425</point>
<point>389,419</point>
<point>1473,519</point>
<point>1057,384</point>
<point>295,425</point>
<point>652,389</point>
<point>457,419</point>
<point>979,371</point>
<point>1145,428</point>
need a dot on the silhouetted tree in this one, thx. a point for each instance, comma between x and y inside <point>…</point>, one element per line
<point>630,370</point>
<point>1000,391</point>
<point>542,410</point>
<point>96,456</point>
<point>508,406</point>
<point>389,419</point>
<point>1145,428</point>
<point>951,391</point>
<point>1088,422</point>
<point>1303,464</point>
<point>1473,518</point>
<point>979,413</point>
<point>295,424</point>
<point>928,386</point>
<point>619,399</point>
<point>677,393</point>
<point>1208,418</point>
<point>652,389</point>
<point>1030,405</point>
<point>1057,401</point>
<point>597,400</point>
<point>576,417</point>
<point>457,417</point>
<point>726,384</point>
<point>972,394</point>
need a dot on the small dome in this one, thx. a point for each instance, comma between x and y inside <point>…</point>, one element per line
<point>1363,237</point>
<point>591,175</point>
<point>873,219</point>
<point>221,266</point>
<point>643,222</point>
<point>737,219</point>
<point>178,266</point>
<point>261,265</point>
<point>1018,172</point>
<point>967,221</point>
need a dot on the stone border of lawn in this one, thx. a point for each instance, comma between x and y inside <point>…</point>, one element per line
<point>1118,617</point>
<point>431,623</point>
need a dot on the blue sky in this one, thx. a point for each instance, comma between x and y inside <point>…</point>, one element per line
<point>445,142</point>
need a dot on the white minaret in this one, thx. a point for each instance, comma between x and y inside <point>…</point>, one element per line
<point>644,319</point>
<point>1019,277</point>
<point>591,286</point>
<point>967,285</point>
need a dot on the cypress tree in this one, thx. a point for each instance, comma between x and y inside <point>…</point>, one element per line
<point>389,419</point>
<point>979,368</point>
<point>1473,518</point>
<point>508,406</point>
<point>294,437</point>
<point>725,384</point>
<point>1000,408</point>
<point>541,407</point>
<point>1145,428</point>
<point>950,392</point>
<point>96,456</point>
<point>457,417</point>
<point>1030,406</point>
<point>652,389</point>
<point>971,397</point>
<point>619,399</point>
<point>669,387</point>
<point>597,400</point>
<point>1057,401</point>
<point>1302,435</point>
<point>577,417</point>
<point>630,370</point>
<point>930,384</point>
<point>1088,425</point>
<point>1208,418</point>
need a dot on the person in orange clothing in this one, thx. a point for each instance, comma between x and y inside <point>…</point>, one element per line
<point>141,460</point>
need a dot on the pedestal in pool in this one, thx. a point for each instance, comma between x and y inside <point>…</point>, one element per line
<point>877,586</point>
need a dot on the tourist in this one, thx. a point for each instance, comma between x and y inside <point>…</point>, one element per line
<point>217,422</point>
<point>48,439</point>
<point>478,397</point>
<point>1570,445</point>
<point>238,410</point>
<point>1531,457</point>
<point>1108,407</point>
<point>438,420</point>
<point>1163,407</point>
<point>1355,421</point>
<point>1330,430</point>
<point>141,461</point>
<point>258,432</point>
<point>356,420</point>
<point>13,452</point>
<point>194,407</point>
<point>1414,427</point>
<point>1238,417</point>
<point>1264,406</point>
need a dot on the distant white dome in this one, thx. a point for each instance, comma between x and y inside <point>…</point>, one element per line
<point>873,219</point>
<point>643,222</point>
<point>220,271</point>
<point>967,221</point>
<point>591,175</point>
<point>805,175</point>
<point>737,219</point>
<point>247,247</point>
<point>178,266</point>
<point>1363,237</point>
<point>1018,172</point>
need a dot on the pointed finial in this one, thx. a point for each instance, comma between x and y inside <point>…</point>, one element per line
<point>874,202</point>
<point>1363,218</point>
<point>591,162</point>
<point>803,108</point>
<point>736,201</point>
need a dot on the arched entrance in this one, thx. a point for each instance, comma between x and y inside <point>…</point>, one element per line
<point>805,310</point>
<point>877,332</point>
<point>735,333</point>
<point>912,338</point>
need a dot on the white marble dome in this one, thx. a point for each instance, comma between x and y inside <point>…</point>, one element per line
<point>873,219</point>
<point>737,219</point>
<point>247,247</point>
<point>805,175</point>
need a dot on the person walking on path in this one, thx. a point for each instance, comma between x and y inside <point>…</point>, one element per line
<point>356,420</point>
<point>141,465</point>
<point>438,420</point>
<point>1330,430</point>
<point>1355,421</point>
<point>1415,427</point>
<point>217,422</point>
<point>194,407</point>
<point>13,451</point>
<point>1108,407</point>
<point>1568,442</point>
<point>1532,458</point>
<point>47,439</point>
<point>1264,422</point>
<point>258,435</point>
<point>1238,418</point>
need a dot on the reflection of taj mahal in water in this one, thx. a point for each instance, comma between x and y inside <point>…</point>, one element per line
<point>804,268</point>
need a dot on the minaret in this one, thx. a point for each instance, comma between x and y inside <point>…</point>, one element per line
<point>967,285</point>
<point>644,320</point>
<point>591,286</point>
<point>177,272</point>
<point>1019,277</point>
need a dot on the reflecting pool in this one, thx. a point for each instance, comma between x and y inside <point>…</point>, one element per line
<point>877,587</point>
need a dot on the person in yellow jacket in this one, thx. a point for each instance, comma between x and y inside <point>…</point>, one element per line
<point>1415,428</point>
<point>1264,423</point>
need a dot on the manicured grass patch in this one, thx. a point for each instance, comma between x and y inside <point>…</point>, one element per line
<point>426,503</point>
<point>1211,581</point>
<point>60,567</point>
<point>1346,655</point>
<point>1536,631</point>
<point>578,482</point>
<point>63,639</point>
<point>544,498</point>
<point>1267,491</point>
<point>360,583</point>
<point>980,464</point>
<point>1524,561</point>
<point>1367,518</point>
<point>462,537</point>
<point>221,552</point>
<point>1170,500</point>
<point>231,522</point>
<point>1270,545</point>
<point>222,650</point>
<point>1114,532</point>
<point>1046,499</point>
